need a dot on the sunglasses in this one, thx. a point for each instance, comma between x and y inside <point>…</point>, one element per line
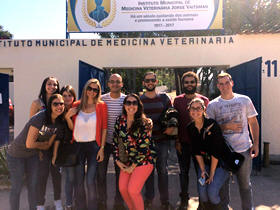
<point>96,90</point>
<point>115,82</point>
<point>199,108</point>
<point>129,103</point>
<point>55,104</point>
<point>150,80</point>
<point>189,82</point>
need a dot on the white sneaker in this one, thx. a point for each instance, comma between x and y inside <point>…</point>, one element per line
<point>40,208</point>
<point>58,205</point>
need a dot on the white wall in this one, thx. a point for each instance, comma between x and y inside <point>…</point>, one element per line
<point>32,64</point>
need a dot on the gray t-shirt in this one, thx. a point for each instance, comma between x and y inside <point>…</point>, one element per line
<point>114,110</point>
<point>238,109</point>
<point>18,147</point>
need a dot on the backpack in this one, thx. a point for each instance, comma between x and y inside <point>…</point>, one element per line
<point>169,117</point>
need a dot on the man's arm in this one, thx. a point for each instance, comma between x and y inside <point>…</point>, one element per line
<point>232,125</point>
<point>255,131</point>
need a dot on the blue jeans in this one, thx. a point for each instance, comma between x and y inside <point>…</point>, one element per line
<point>46,167</point>
<point>87,155</point>
<point>70,179</point>
<point>19,167</point>
<point>101,181</point>
<point>162,170</point>
<point>210,192</point>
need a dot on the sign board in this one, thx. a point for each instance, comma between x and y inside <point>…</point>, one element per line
<point>143,15</point>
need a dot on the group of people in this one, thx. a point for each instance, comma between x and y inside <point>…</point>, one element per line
<point>129,128</point>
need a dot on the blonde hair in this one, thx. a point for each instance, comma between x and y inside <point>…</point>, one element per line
<point>84,98</point>
<point>224,74</point>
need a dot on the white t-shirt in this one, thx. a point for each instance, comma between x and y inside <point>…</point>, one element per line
<point>114,110</point>
<point>85,127</point>
<point>238,109</point>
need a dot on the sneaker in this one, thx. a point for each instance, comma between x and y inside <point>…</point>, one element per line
<point>148,205</point>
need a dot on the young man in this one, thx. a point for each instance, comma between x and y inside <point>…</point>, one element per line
<point>234,112</point>
<point>114,100</point>
<point>154,105</point>
<point>183,144</point>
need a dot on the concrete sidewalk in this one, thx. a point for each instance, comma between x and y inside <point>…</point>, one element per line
<point>266,189</point>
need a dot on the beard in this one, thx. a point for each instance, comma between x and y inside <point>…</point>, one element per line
<point>150,89</point>
<point>189,91</point>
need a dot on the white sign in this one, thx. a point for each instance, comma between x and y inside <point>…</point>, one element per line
<point>144,15</point>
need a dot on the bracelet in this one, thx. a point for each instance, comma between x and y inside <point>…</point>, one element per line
<point>102,147</point>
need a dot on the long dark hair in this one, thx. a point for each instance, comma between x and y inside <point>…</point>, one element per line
<point>43,92</point>
<point>49,110</point>
<point>140,118</point>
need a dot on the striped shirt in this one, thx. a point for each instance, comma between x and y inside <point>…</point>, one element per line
<point>114,110</point>
<point>153,108</point>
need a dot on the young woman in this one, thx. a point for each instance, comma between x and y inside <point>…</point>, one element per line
<point>49,87</point>
<point>134,130</point>
<point>90,128</point>
<point>66,146</point>
<point>38,134</point>
<point>207,144</point>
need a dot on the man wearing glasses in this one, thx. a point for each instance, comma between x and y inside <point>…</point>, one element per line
<point>183,143</point>
<point>114,100</point>
<point>154,105</point>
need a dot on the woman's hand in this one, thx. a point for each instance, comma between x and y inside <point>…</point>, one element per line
<point>121,165</point>
<point>129,169</point>
<point>211,177</point>
<point>203,174</point>
<point>71,112</point>
<point>100,155</point>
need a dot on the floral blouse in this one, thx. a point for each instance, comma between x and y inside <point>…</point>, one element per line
<point>139,146</point>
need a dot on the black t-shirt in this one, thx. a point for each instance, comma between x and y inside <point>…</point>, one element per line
<point>18,146</point>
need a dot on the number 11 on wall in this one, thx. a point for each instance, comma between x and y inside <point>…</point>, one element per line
<point>268,64</point>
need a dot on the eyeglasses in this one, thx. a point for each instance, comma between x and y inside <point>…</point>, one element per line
<point>199,108</point>
<point>55,104</point>
<point>115,82</point>
<point>129,103</point>
<point>96,90</point>
<point>150,80</point>
<point>189,82</point>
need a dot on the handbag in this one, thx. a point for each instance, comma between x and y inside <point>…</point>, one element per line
<point>231,160</point>
<point>67,155</point>
<point>123,156</point>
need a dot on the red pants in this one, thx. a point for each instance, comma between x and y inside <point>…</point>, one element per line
<point>130,186</point>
